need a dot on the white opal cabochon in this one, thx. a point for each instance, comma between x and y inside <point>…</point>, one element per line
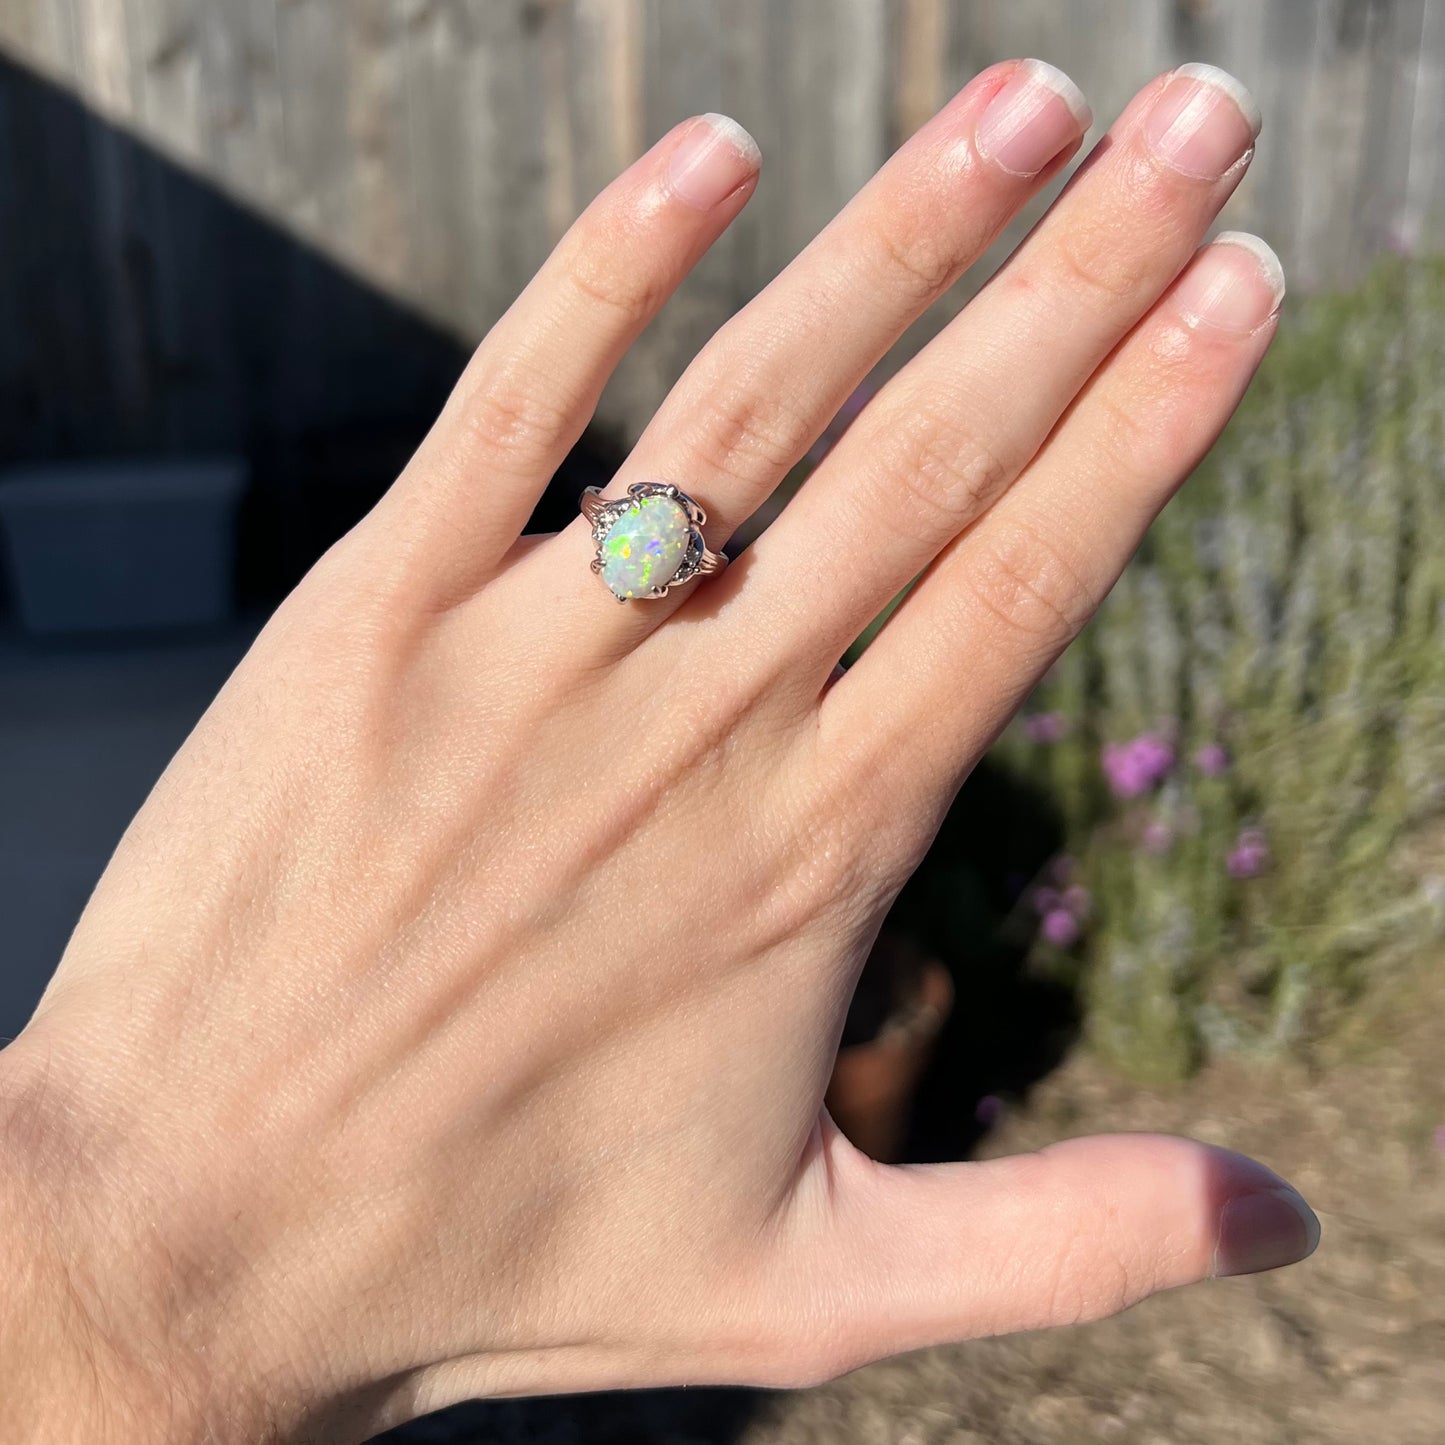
<point>645,546</point>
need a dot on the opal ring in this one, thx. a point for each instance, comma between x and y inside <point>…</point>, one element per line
<point>648,541</point>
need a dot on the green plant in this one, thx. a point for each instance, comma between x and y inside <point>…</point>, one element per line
<point>1287,613</point>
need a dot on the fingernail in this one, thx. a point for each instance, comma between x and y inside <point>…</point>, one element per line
<point>1264,1230</point>
<point>713,158</point>
<point>1032,119</point>
<point>1235,282</point>
<point>1202,122</point>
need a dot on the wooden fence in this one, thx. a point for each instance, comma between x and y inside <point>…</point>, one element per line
<point>432,150</point>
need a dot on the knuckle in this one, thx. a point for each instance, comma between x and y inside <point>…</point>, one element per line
<point>1090,1277</point>
<point>748,431</point>
<point>632,293</point>
<point>1149,427</point>
<point>1111,271</point>
<point>1064,1300</point>
<point>1027,585</point>
<point>914,262</point>
<point>1130,447</point>
<point>1089,1268</point>
<point>514,415</point>
<point>939,471</point>
<point>1079,1256</point>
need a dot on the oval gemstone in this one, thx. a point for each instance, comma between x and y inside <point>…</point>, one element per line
<point>645,546</point>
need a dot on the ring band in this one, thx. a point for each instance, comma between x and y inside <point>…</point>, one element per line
<point>648,541</point>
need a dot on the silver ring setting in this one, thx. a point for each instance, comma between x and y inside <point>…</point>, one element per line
<point>648,541</point>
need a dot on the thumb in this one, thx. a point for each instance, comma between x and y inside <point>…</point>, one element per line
<point>921,1255</point>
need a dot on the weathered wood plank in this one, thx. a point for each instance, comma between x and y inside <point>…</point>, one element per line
<point>244,113</point>
<point>1423,222</point>
<point>436,148</point>
<point>1380,184</point>
<point>166,42</point>
<point>41,36</point>
<point>378,142</point>
<point>313,62</point>
<point>921,79</point>
<point>751,64</point>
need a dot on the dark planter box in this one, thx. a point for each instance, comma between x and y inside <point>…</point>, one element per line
<point>108,546</point>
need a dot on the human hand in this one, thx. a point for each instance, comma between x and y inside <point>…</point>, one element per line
<point>455,1017</point>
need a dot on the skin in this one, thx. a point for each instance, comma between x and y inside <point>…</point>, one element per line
<point>454,1019</point>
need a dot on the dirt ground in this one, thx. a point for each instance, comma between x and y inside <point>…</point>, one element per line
<point>1347,1347</point>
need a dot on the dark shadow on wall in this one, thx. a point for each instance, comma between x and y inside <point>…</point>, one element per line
<point>143,313</point>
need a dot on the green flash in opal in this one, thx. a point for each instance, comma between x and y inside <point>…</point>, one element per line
<point>645,546</point>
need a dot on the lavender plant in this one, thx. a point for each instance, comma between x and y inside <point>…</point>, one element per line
<point>1249,741</point>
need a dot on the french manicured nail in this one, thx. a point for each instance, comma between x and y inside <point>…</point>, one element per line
<point>1264,1230</point>
<point>1235,282</point>
<point>713,158</point>
<point>1032,119</point>
<point>1202,122</point>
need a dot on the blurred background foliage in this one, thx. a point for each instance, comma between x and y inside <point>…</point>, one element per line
<point>1241,762</point>
<point>1248,744</point>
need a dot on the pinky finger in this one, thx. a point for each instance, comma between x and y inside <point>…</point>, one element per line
<point>978,630</point>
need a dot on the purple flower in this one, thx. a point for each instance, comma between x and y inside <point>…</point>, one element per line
<point>1134,767</point>
<point>1046,727</point>
<point>989,1110</point>
<point>1248,857</point>
<point>1062,869</point>
<point>1212,760</point>
<point>1060,927</point>
<point>1078,900</point>
<point>1045,900</point>
<point>1156,837</point>
<point>1121,767</point>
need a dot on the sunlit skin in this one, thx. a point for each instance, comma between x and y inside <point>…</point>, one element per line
<point>455,1017</point>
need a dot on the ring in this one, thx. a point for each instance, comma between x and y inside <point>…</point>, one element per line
<point>648,541</point>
